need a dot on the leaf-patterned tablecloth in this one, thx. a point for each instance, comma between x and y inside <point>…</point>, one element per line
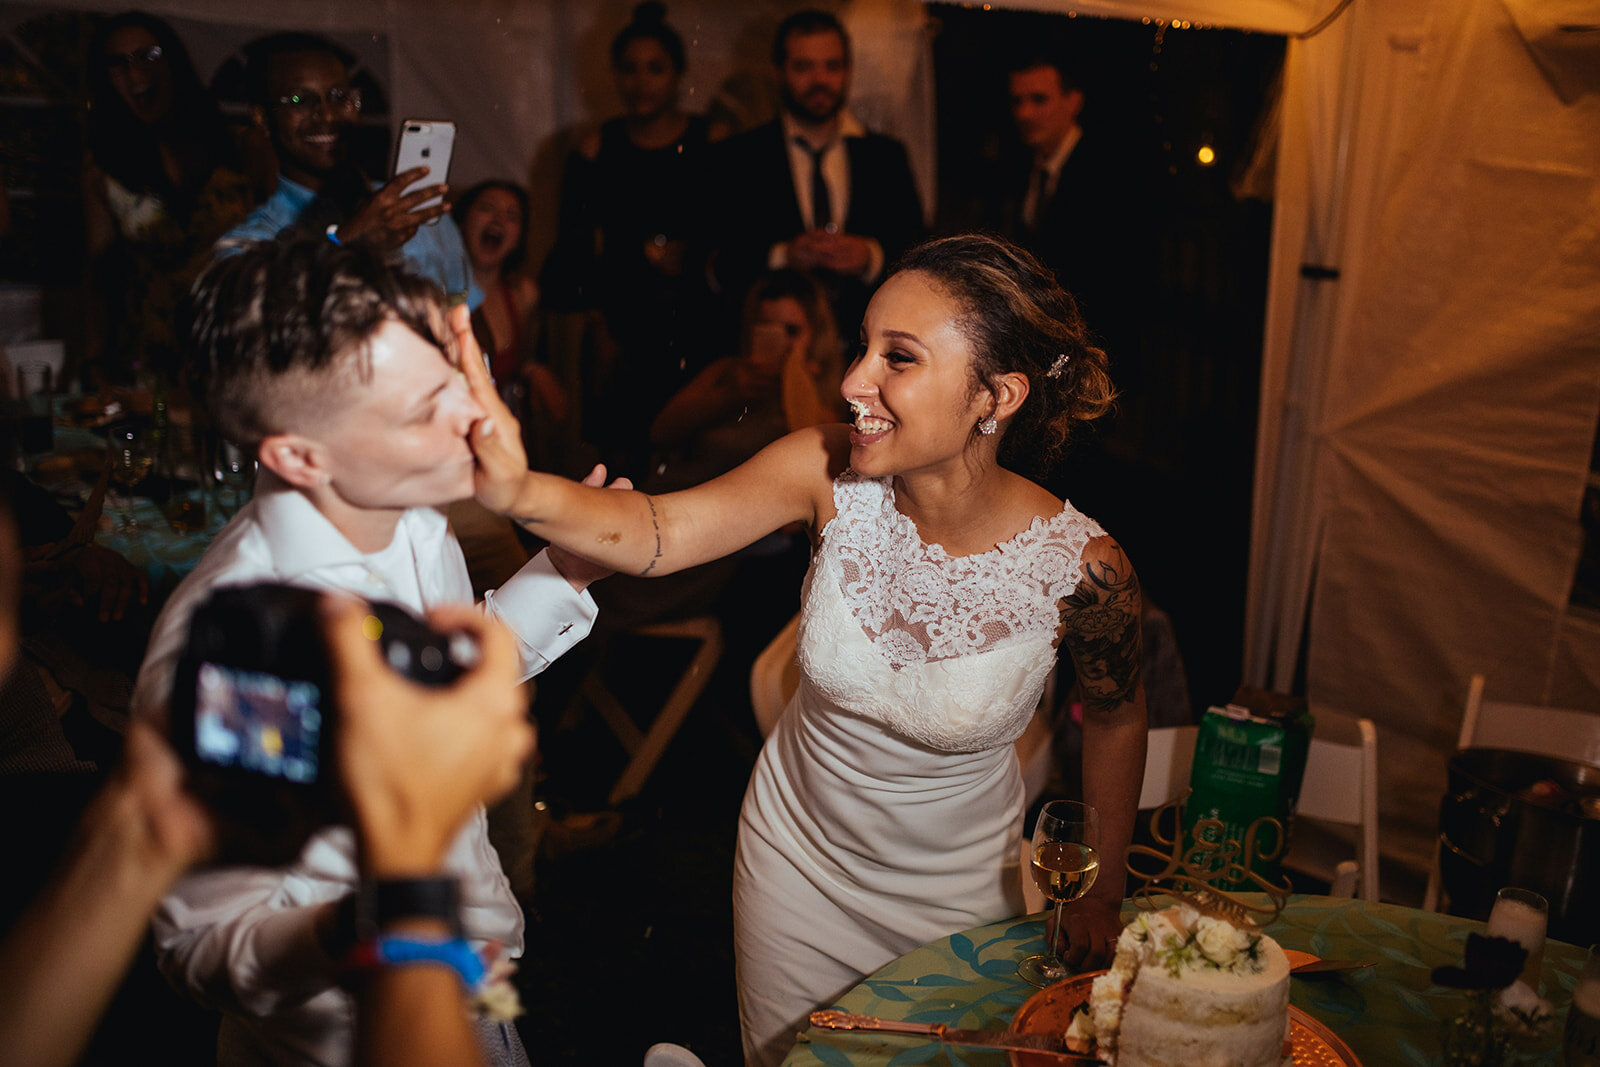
<point>1388,1014</point>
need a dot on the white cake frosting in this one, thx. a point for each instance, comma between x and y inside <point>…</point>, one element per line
<point>1189,990</point>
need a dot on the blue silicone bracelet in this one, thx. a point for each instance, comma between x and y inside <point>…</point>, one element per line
<point>455,953</point>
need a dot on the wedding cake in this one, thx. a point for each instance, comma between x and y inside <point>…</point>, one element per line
<point>1190,990</point>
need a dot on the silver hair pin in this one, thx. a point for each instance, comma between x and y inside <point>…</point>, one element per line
<point>1058,366</point>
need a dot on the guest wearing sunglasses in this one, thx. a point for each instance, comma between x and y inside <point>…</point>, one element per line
<point>164,179</point>
<point>306,103</point>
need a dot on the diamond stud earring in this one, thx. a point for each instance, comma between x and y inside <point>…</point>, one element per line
<point>988,425</point>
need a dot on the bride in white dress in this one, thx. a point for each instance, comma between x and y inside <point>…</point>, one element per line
<point>886,808</point>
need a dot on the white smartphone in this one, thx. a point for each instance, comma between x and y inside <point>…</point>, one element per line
<point>425,143</point>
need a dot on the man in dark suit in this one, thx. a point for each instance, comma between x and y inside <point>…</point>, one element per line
<point>813,189</point>
<point>1066,202</point>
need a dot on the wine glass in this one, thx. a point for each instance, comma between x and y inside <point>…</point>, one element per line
<point>1066,860</point>
<point>1521,915</point>
<point>133,453</point>
<point>233,470</point>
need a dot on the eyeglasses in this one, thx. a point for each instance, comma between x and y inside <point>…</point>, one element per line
<point>139,57</point>
<point>306,101</point>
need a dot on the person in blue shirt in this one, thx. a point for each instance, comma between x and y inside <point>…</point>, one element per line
<point>306,104</point>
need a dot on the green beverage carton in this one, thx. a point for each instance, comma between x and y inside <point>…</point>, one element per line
<point>1249,761</point>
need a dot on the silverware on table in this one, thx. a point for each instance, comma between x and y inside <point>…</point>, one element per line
<point>1042,1044</point>
<point>1316,966</point>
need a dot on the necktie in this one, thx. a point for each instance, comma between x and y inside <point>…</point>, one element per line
<point>821,199</point>
<point>1033,207</point>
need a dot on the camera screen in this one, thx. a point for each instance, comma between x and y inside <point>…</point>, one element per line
<point>257,722</point>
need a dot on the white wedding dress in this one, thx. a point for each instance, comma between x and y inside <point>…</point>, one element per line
<point>886,808</point>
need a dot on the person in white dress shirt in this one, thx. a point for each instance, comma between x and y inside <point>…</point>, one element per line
<point>340,374</point>
<point>886,807</point>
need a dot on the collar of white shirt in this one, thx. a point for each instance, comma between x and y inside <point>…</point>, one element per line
<point>302,539</point>
<point>849,126</point>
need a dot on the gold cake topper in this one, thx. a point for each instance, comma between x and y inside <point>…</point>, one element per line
<point>1191,875</point>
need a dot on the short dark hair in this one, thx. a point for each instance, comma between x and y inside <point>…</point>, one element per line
<point>295,306</point>
<point>519,250</point>
<point>804,23</point>
<point>1064,68</point>
<point>261,53</point>
<point>650,24</point>
<point>1018,319</point>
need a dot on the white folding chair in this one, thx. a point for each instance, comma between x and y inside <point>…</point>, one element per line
<point>1340,786</point>
<point>1168,756</point>
<point>774,677</point>
<point>1560,733</point>
<point>645,748</point>
<point>1168,759</point>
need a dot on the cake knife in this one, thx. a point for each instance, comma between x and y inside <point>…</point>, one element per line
<point>1042,1044</point>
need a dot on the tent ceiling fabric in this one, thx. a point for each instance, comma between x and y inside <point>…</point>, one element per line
<point>1263,16</point>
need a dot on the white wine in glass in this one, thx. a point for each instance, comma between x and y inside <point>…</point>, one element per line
<point>1066,862</point>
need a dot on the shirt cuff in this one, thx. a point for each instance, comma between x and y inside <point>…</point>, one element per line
<point>874,260</point>
<point>543,611</point>
<point>778,256</point>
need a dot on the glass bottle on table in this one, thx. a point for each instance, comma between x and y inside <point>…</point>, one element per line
<point>1581,1045</point>
<point>1066,861</point>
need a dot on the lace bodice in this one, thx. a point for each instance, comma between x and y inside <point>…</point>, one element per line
<point>950,651</point>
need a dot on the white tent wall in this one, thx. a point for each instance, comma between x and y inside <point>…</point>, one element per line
<point>1427,418</point>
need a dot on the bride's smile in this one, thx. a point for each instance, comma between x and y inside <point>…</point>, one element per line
<point>911,386</point>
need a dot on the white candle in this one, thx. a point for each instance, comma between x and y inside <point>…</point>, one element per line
<point>1521,916</point>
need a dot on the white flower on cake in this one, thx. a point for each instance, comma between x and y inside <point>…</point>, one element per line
<point>1223,944</point>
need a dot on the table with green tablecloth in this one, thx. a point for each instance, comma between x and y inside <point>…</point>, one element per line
<point>165,554</point>
<point>1388,1014</point>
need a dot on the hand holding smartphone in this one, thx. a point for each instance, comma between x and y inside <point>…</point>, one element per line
<point>425,143</point>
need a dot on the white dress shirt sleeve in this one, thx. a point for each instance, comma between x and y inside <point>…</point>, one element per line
<point>542,611</point>
<point>235,942</point>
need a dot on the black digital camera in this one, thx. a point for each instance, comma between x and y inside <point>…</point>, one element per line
<point>252,712</point>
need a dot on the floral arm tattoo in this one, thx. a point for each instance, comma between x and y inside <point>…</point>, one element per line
<point>1100,628</point>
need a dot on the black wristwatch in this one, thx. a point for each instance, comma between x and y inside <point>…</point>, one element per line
<point>378,902</point>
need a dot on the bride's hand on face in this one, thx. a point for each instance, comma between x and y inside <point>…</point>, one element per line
<point>495,439</point>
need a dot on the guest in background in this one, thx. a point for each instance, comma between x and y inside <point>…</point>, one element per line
<point>493,219</point>
<point>1068,199</point>
<point>164,179</point>
<point>625,247</point>
<point>785,378</point>
<point>814,189</point>
<point>306,104</point>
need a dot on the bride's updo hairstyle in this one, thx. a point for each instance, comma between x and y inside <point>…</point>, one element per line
<point>1019,320</point>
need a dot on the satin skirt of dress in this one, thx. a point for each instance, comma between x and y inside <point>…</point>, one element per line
<point>856,845</point>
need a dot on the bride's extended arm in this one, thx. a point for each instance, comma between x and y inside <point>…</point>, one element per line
<point>788,481</point>
<point>649,536</point>
<point>1101,629</point>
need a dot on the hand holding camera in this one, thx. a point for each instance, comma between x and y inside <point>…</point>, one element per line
<point>291,710</point>
<point>412,764</point>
